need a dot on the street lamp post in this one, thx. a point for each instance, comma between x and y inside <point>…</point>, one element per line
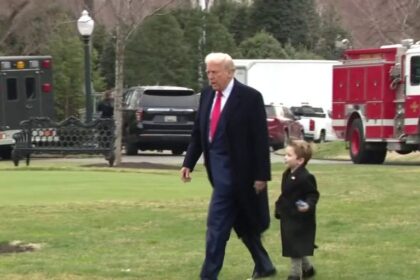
<point>85,26</point>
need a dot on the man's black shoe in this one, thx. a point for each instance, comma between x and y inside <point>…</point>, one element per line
<point>293,277</point>
<point>308,273</point>
<point>259,275</point>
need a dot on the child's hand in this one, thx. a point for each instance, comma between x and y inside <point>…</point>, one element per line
<point>302,206</point>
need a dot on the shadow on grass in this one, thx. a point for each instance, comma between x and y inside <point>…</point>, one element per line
<point>137,165</point>
<point>17,247</point>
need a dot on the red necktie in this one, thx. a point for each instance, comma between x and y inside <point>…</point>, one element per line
<point>215,114</point>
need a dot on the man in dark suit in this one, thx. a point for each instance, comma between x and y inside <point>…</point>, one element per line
<point>231,131</point>
<point>106,105</point>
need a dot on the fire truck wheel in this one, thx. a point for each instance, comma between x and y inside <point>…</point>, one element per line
<point>358,152</point>
<point>378,156</point>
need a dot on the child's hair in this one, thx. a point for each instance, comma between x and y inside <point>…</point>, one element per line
<point>302,149</point>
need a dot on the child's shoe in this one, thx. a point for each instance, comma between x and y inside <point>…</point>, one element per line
<point>308,273</point>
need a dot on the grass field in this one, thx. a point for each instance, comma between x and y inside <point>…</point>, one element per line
<point>146,224</point>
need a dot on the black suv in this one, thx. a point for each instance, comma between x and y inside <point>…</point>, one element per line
<point>158,118</point>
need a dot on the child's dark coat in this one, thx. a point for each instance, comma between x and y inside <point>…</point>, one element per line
<point>297,229</point>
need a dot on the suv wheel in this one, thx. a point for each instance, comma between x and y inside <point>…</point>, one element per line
<point>6,154</point>
<point>131,149</point>
<point>177,152</point>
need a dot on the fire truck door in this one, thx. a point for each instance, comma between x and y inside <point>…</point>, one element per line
<point>20,99</point>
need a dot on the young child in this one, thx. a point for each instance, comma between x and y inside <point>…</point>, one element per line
<point>296,207</point>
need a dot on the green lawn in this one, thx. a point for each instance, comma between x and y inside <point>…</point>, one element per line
<point>146,224</point>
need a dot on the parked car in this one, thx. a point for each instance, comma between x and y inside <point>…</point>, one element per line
<point>316,121</point>
<point>282,126</point>
<point>158,118</point>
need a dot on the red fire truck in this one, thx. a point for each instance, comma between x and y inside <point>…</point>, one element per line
<point>25,91</point>
<point>376,101</point>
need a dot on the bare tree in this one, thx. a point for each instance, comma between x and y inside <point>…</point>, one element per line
<point>16,9</point>
<point>377,22</point>
<point>128,16</point>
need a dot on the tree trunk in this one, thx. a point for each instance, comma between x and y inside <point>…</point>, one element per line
<point>119,83</point>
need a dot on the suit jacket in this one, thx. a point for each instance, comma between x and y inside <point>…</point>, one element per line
<point>247,143</point>
<point>297,228</point>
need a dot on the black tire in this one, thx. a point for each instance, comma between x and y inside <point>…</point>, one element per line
<point>322,137</point>
<point>6,154</point>
<point>177,152</point>
<point>377,156</point>
<point>358,152</point>
<point>131,149</point>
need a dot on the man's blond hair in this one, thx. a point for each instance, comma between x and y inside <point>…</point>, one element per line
<point>223,58</point>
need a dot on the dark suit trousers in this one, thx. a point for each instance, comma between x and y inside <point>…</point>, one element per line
<point>222,213</point>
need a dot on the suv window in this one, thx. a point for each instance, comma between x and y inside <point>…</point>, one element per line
<point>172,98</point>
<point>129,100</point>
<point>308,111</point>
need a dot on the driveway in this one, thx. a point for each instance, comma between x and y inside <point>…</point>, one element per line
<point>155,159</point>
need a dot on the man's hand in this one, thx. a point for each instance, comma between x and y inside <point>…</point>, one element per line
<point>259,186</point>
<point>185,175</point>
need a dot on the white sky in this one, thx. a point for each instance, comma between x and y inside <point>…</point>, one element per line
<point>203,4</point>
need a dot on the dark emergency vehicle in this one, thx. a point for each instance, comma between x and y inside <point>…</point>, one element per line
<point>25,91</point>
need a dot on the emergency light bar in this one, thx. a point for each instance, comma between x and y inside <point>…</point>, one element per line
<point>5,65</point>
<point>22,64</point>
<point>33,64</point>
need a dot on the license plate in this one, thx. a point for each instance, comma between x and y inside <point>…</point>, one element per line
<point>169,119</point>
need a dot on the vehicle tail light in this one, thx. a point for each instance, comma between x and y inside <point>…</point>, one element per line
<point>46,87</point>
<point>311,125</point>
<point>46,64</point>
<point>2,135</point>
<point>139,115</point>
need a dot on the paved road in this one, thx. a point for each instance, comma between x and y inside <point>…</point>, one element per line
<point>162,158</point>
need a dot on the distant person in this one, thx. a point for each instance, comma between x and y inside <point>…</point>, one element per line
<point>296,207</point>
<point>106,105</point>
<point>231,131</point>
